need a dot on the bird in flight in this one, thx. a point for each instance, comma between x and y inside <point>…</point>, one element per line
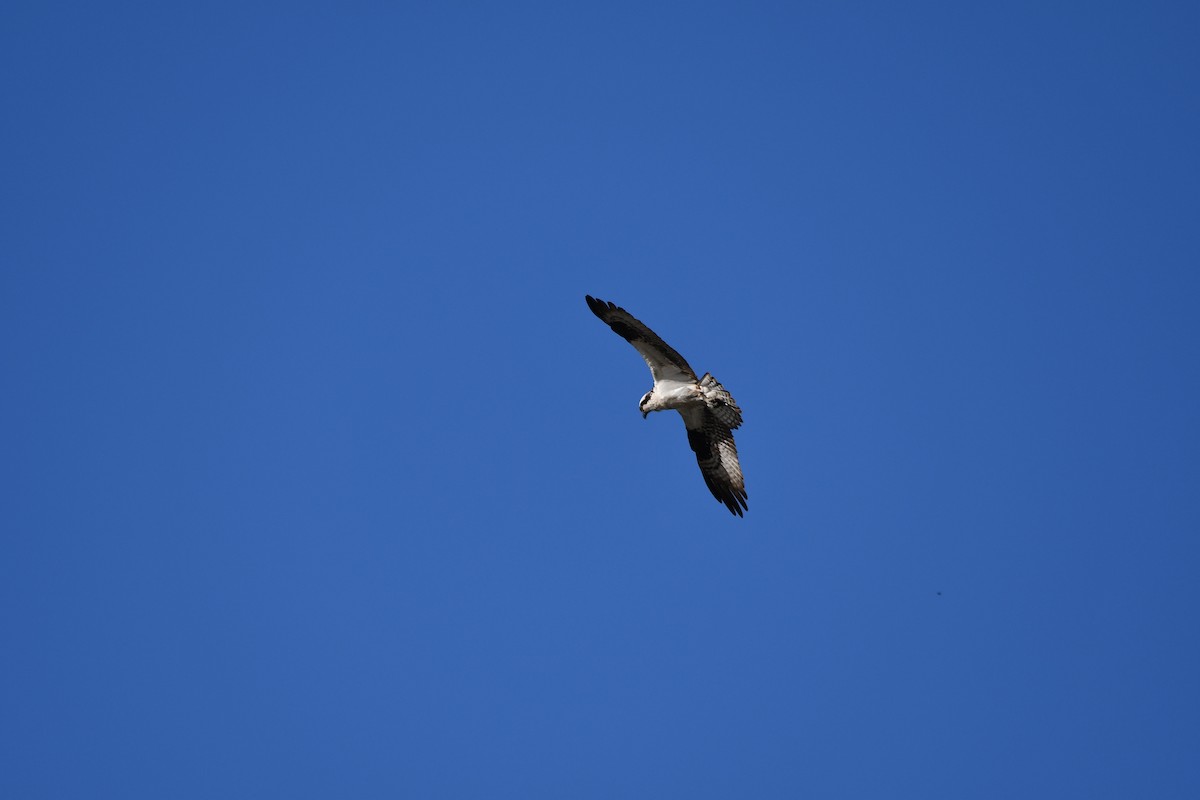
<point>709,412</point>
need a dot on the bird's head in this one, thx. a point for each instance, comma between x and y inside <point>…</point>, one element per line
<point>642,404</point>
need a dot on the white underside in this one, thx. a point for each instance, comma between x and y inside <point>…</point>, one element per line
<point>674,394</point>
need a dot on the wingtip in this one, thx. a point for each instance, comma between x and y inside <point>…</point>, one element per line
<point>732,498</point>
<point>598,307</point>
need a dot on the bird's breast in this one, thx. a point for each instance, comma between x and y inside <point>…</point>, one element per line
<point>675,394</point>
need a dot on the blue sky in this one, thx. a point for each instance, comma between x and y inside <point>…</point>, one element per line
<point>322,481</point>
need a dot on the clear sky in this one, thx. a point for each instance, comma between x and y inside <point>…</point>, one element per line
<point>321,481</point>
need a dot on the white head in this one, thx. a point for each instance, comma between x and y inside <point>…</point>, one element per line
<point>642,404</point>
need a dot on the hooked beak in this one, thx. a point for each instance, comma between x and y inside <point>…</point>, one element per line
<point>645,414</point>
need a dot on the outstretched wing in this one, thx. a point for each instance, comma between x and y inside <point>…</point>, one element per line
<point>664,362</point>
<point>712,441</point>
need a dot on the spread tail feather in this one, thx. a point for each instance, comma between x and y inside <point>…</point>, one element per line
<point>720,402</point>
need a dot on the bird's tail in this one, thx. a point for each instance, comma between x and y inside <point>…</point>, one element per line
<point>720,402</point>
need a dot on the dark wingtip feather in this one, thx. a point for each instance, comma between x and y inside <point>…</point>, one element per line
<point>735,503</point>
<point>598,307</point>
<point>604,311</point>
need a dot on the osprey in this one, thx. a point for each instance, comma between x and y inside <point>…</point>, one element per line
<point>709,412</point>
